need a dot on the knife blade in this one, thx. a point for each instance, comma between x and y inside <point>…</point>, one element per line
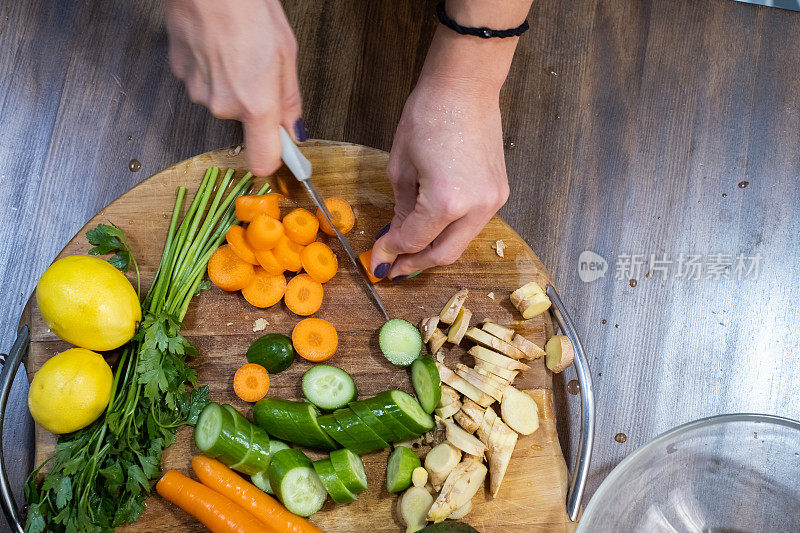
<point>301,168</point>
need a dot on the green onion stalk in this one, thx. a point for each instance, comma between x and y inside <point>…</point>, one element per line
<point>100,475</point>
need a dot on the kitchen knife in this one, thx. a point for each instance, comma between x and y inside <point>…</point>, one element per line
<point>301,168</point>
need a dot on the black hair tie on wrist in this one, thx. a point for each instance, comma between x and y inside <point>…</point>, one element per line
<point>484,33</point>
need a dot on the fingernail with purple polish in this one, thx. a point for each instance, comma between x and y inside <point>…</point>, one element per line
<point>381,270</point>
<point>300,130</point>
<point>383,231</point>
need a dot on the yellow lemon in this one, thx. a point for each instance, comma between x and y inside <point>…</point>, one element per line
<point>70,390</point>
<point>88,302</point>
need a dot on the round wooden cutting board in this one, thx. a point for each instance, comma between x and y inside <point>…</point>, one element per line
<point>221,326</point>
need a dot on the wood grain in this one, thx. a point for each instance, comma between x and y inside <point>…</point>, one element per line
<point>220,325</point>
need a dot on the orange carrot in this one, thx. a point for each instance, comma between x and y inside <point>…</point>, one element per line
<point>272,514</point>
<point>365,259</point>
<point>268,262</point>
<point>264,232</point>
<point>251,382</point>
<point>301,226</point>
<point>319,261</point>
<point>315,339</point>
<point>341,215</point>
<point>227,271</point>
<point>265,290</point>
<point>247,207</point>
<point>303,295</point>
<point>212,509</point>
<point>239,245</point>
<point>288,254</point>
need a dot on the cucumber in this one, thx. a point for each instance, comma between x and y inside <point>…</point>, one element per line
<point>335,430</point>
<point>358,431</point>
<point>350,469</point>
<point>427,383</point>
<point>338,492</point>
<point>295,482</point>
<point>216,436</point>
<point>400,341</point>
<point>292,421</point>
<point>382,413</point>
<point>406,410</point>
<point>261,479</point>
<point>369,418</point>
<point>402,462</point>
<point>328,387</point>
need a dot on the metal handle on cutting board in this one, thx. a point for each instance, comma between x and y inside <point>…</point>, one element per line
<point>10,366</point>
<point>580,470</point>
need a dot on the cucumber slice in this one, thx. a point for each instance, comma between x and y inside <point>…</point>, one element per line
<point>350,469</point>
<point>258,451</point>
<point>406,410</point>
<point>295,482</point>
<point>338,492</point>
<point>400,341</point>
<point>379,409</point>
<point>402,462</point>
<point>216,436</point>
<point>328,387</point>
<point>261,479</point>
<point>358,431</point>
<point>292,421</point>
<point>427,383</point>
<point>369,418</point>
<point>337,432</point>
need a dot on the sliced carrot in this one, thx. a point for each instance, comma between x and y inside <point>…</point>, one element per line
<point>319,261</point>
<point>227,271</point>
<point>315,339</point>
<point>268,262</point>
<point>265,290</point>
<point>247,207</point>
<point>212,509</point>
<point>225,481</point>
<point>288,254</point>
<point>251,382</point>
<point>303,295</point>
<point>264,232</point>
<point>366,259</point>
<point>341,215</point>
<point>301,226</point>
<point>239,245</point>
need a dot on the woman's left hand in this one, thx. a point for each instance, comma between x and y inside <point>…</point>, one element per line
<point>448,172</point>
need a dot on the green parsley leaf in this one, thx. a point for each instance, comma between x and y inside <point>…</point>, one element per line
<point>108,239</point>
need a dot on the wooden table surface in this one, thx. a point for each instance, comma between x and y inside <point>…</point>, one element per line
<point>633,128</point>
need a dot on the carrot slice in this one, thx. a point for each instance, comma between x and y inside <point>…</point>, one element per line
<point>341,215</point>
<point>315,339</point>
<point>248,206</point>
<point>303,295</point>
<point>211,508</point>
<point>265,290</point>
<point>268,262</point>
<point>319,261</point>
<point>239,245</point>
<point>366,258</point>
<point>288,254</point>
<point>225,481</point>
<point>301,226</point>
<point>251,382</point>
<point>227,271</point>
<point>264,232</point>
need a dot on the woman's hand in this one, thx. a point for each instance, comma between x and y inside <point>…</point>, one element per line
<point>448,173</point>
<point>238,58</point>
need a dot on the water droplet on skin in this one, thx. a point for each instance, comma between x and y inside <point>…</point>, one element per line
<point>620,437</point>
<point>574,387</point>
<point>633,283</point>
<point>134,165</point>
<point>743,184</point>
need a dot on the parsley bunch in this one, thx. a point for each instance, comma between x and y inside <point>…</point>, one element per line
<point>100,475</point>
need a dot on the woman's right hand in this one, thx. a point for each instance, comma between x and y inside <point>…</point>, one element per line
<point>239,59</point>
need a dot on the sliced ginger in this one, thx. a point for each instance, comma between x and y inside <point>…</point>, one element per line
<point>560,353</point>
<point>530,300</point>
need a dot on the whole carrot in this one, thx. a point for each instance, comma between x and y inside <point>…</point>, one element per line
<point>213,510</point>
<point>228,483</point>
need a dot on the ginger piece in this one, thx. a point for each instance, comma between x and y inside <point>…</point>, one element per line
<point>501,332</point>
<point>458,383</point>
<point>499,371</point>
<point>440,461</point>
<point>531,349</point>
<point>461,485</point>
<point>463,440</point>
<point>448,410</point>
<point>419,476</point>
<point>453,306</point>
<point>462,511</point>
<point>460,326</point>
<point>478,336</point>
<point>502,441</point>
<point>490,356</point>
<point>465,421</point>
<point>530,300</point>
<point>519,411</point>
<point>413,507</point>
<point>449,395</point>
<point>499,247</point>
<point>483,383</point>
<point>427,326</point>
<point>474,411</point>
<point>437,340</point>
<point>560,353</point>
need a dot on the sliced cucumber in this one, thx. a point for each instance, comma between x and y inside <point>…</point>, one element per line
<point>296,483</point>
<point>292,421</point>
<point>338,492</point>
<point>427,383</point>
<point>379,409</point>
<point>335,430</point>
<point>360,432</point>
<point>350,469</point>
<point>369,418</point>
<point>328,387</point>
<point>400,341</point>
<point>216,436</point>
<point>401,464</point>
<point>261,479</point>
<point>406,410</point>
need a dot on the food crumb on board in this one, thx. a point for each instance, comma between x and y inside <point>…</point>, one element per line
<point>235,150</point>
<point>229,324</point>
<point>491,295</point>
<point>260,325</point>
<point>499,246</point>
